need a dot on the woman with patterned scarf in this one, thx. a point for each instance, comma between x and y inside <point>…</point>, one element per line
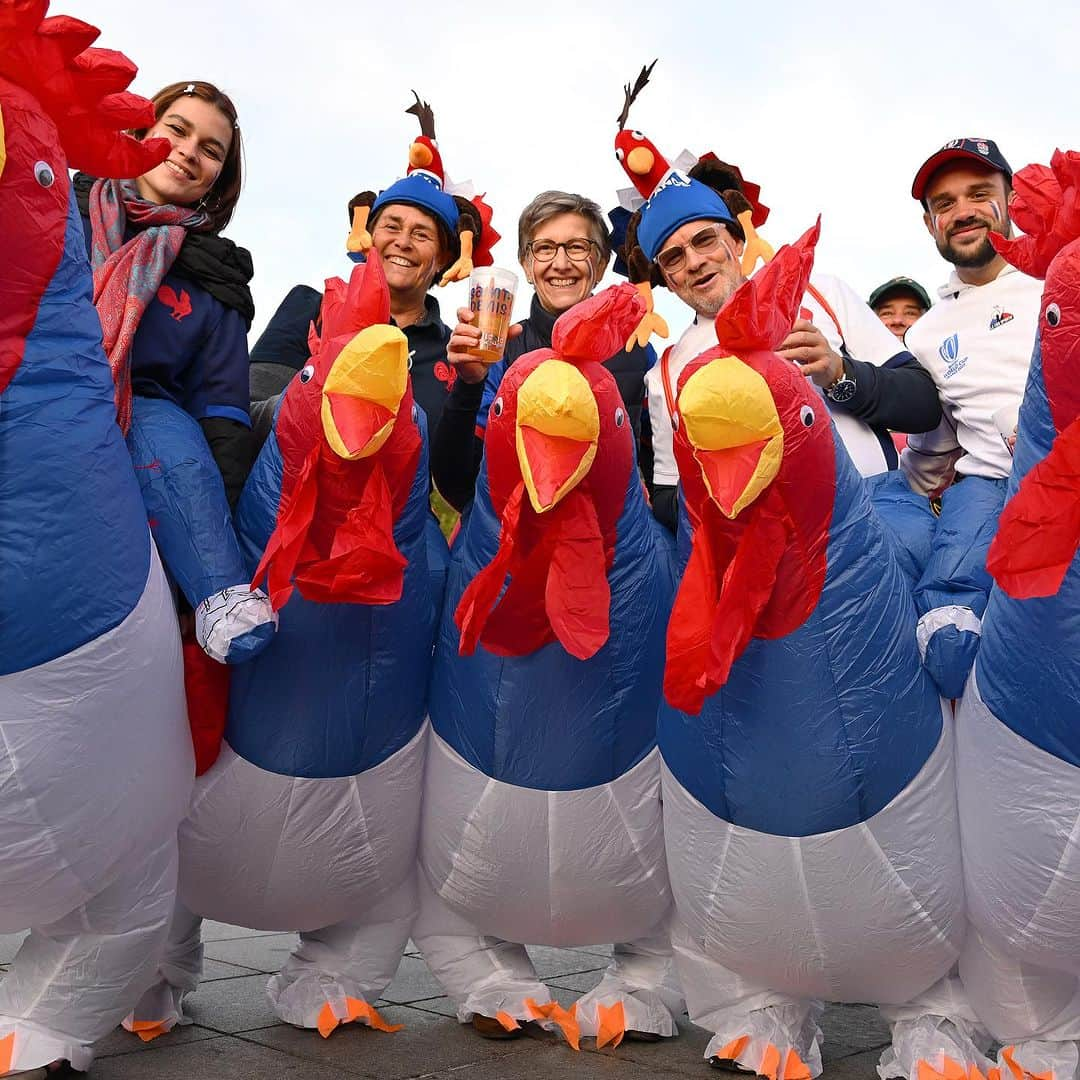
<point>173,298</point>
<point>172,293</point>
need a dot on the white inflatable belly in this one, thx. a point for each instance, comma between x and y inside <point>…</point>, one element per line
<point>96,762</point>
<point>276,852</point>
<point>558,868</point>
<point>1020,819</point>
<point>874,912</point>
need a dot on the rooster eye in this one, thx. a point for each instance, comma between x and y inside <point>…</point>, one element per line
<point>1053,315</point>
<point>674,421</point>
<point>806,415</point>
<point>43,174</point>
<point>620,417</point>
<point>308,373</point>
<point>619,154</point>
<point>497,408</point>
<point>637,135</point>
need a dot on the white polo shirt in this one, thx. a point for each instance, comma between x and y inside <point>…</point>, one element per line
<point>863,333</point>
<point>976,342</point>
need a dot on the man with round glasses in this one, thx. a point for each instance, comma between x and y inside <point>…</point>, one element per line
<point>694,242</point>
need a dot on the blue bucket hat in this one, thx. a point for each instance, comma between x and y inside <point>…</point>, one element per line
<point>423,190</point>
<point>677,200</point>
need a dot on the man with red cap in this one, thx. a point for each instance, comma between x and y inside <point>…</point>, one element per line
<point>976,342</point>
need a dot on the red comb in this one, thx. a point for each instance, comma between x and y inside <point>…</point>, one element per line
<point>365,301</point>
<point>762,310</point>
<point>1047,207</point>
<point>597,328</point>
<point>82,89</point>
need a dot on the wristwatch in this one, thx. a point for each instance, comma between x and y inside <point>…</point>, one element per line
<point>843,389</point>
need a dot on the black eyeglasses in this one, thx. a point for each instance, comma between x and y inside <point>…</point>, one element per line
<point>578,249</point>
<point>671,260</point>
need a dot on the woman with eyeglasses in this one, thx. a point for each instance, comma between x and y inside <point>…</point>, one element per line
<point>564,247</point>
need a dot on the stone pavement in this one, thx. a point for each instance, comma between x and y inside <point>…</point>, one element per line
<point>235,1034</point>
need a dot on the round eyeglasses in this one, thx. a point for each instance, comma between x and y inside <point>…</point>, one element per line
<point>671,260</point>
<point>578,249</point>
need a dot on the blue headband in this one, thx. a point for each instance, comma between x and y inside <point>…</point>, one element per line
<point>676,201</point>
<point>421,190</point>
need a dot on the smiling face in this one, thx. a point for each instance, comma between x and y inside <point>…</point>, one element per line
<point>411,247</point>
<point>562,283</point>
<point>964,204</point>
<point>704,281</point>
<point>200,135</point>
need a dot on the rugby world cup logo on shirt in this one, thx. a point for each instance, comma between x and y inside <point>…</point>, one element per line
<point>949,351</point>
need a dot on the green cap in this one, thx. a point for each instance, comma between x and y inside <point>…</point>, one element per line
<point>899,285</point>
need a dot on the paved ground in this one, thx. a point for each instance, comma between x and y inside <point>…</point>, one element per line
<point>235,1034</point>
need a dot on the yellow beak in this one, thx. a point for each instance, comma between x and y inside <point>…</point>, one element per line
<point>363,392</point>
<point>558,424</point>
<point>731,422</point>
<point>640,160</point>
<point>420,157</point>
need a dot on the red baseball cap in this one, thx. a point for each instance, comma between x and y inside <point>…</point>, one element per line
<point>981,150</point>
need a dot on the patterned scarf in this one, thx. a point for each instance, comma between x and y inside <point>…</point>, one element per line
<point>127,275</point>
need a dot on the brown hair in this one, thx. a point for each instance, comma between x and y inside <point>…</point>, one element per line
<point>220,201</point>
<point>549,204</point>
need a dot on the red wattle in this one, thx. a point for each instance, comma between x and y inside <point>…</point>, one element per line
<point>480,595</point>
<point>577,596</point>
<point>1039,531</point>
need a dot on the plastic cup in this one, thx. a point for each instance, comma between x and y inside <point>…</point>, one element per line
<point>491,299</point>
<point>1005,420</point>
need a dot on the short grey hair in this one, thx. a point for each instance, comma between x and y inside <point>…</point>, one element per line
<point>548,204</point>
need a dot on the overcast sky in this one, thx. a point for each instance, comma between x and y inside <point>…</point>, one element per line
<point>829,106</point>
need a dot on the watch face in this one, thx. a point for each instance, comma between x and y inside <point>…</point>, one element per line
<point>842,391</point>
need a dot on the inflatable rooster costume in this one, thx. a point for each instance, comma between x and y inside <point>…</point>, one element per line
<point>809,798</point>
<point>1017,733</point>
<point>308,820</point>
<point>96,763</point>
<point>544,701</point>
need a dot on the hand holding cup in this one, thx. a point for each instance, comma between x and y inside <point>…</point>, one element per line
<point>464,339</point>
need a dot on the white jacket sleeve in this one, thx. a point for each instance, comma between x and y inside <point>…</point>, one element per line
<point>928,459</point>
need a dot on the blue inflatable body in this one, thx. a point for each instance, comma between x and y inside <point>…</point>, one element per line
<point>819,729</point>
<point>72,532</point>
<point>342,686</point>
<point>548,720</point>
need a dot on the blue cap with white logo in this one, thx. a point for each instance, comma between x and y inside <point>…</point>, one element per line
<point>677,200</point>
<point>423,190</point>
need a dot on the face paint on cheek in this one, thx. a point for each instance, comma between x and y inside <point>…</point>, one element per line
<point>995,210</point>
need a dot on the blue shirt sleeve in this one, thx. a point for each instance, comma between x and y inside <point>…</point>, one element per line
<point>219,372</point>
<point>491,388</point>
